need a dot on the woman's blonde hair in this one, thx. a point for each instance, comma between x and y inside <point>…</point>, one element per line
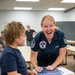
<point>49,17</point>
<point>12,31</point>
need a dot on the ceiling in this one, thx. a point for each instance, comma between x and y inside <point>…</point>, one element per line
<point>41,5</point>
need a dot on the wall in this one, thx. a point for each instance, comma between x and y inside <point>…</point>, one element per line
<point>68,27</point>
<point>33,18</point>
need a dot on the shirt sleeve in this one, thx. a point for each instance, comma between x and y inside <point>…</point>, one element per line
<point>35,46</point>
<point>63,41</point>
<point>9,63</point>
<point>32,30</point>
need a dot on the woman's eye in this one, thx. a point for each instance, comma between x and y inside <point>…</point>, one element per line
<point>51,25</point>
<point>45,26</point>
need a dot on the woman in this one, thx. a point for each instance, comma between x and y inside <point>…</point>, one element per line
<point>50,46</point>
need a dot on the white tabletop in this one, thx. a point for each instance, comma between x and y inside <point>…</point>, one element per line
<point>65,71</point>
<point>71,48</point>
<point>71,41</point>
<point>25,50</point>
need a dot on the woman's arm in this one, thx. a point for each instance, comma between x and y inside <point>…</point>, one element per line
<point>33,58</point>
<point>59,59</point>
<point>34,33</point>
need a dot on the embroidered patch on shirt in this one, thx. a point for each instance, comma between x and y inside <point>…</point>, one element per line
<point>65,41</point>
<point>42,44</point>
<point>33,43</point>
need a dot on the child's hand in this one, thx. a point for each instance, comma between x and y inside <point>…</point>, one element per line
<point>1,46</point>
<point>32,72</point>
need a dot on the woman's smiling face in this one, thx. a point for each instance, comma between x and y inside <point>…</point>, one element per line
<point>48,28</point>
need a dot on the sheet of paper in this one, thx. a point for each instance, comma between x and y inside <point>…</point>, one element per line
<point>65,71</point>
<point>50,72</point>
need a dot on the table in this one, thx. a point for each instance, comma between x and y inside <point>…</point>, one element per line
<point>70,48</point>
<point>65,71</point>
<point>25,50</point>
<point>57,71</point>
<point>71,42</point>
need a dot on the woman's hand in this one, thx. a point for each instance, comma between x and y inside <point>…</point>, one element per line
<point>49,67</point>
<point>38,69</point>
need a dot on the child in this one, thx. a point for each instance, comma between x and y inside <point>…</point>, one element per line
<point>12,61</point>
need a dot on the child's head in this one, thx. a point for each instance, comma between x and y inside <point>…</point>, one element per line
<point>14,32</point>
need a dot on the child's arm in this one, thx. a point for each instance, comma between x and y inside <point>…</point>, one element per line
<point>32,72</point>
<point>1,46</point>
<point>13,73</point>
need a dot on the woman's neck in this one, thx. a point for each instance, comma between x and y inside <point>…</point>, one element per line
<point>28,29</point>
<point>49,41</point>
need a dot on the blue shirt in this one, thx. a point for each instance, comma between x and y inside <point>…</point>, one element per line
<point>48,52</point>
<point>12,60</point>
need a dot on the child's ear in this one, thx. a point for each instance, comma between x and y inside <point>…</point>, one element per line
<point>16,39</point>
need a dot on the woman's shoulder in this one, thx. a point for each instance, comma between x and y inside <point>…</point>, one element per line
<point>60,32</point>
<point>39,34</point>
